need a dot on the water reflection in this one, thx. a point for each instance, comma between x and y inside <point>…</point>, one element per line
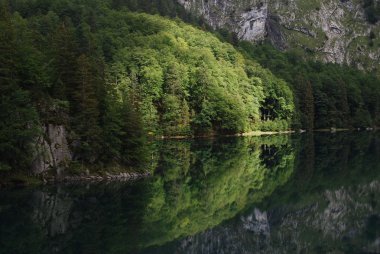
<point>275,194</point>
<point>202,184</point>
<point>329,205</point>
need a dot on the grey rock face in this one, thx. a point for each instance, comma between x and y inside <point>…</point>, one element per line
<point>246,18</point>
<point>252,23</point>
<point>336,31</point>
<point>43,160</point>
<point>52,151</point>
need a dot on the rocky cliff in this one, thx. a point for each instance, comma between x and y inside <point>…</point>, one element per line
<point>51,150</point>
<point>330,30</point>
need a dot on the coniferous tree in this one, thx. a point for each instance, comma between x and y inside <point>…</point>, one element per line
<point>132,136</point>
<point>18,117</point>
<point>85,111</point>
<point>305,94</point>
<point>65,49</point>
<point>308,106</point>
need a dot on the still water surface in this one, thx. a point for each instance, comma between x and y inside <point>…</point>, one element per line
<point>278,194</point>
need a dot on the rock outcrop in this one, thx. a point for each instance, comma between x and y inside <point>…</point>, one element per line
<point>331,30</point>
<point>52,150</point>
<point>246,18</point>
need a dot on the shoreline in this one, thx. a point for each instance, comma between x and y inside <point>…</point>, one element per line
<point>245,134</point>
<point>263,133</point>
<point>107,177</point>
<point>25,180</point>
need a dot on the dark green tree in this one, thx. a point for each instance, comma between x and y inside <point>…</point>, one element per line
<point>85,111</point>
<point>18,117</point>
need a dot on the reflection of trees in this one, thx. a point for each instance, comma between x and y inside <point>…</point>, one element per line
<point>330,204</point>
<point>306,160</point>
<point>201,184</point>
<point>327,160</point>
<point>347,225</point>
<point>197,185</point>
<point>335,198</point>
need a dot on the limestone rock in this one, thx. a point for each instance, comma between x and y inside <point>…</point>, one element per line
<point>51,150</point>
<point>334,30</point>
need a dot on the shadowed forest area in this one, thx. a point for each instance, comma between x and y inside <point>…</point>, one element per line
<point>112,78</point>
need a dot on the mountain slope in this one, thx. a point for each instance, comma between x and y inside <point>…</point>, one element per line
<point>331,30</point>
<point>82,81</point>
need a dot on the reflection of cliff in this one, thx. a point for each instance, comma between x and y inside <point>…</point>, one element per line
<point>340,218</point>
<point>204,184</point>
<point>198,185</point>
<point>314,228</point>
<point>330,205</point>
<point>52,211</point>
<point>99,218</point>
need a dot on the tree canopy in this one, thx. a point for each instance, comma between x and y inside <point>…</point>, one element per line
<point>114,77</point>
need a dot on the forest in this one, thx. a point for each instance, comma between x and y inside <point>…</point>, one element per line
<point>116,77</point>
<point>326,95</point>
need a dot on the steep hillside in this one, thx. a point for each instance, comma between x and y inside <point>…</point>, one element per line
<point>84,82</point>
<point>338,31</point>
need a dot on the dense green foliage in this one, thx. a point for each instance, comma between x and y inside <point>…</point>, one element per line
<point>18,118</point>
<point>327,95</point>
<point>184,81</point>
<point>111,76</point>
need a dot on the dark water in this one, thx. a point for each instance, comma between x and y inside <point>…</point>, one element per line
<point>281,194</point>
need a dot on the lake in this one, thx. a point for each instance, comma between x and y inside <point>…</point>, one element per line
<point>276,194</point>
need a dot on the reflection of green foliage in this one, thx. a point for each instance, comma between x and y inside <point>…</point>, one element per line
<point>340,163</point>
<point>198,184</point>
<point>348,169</point>
<point>345,165</point>
<point>205,184</point>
